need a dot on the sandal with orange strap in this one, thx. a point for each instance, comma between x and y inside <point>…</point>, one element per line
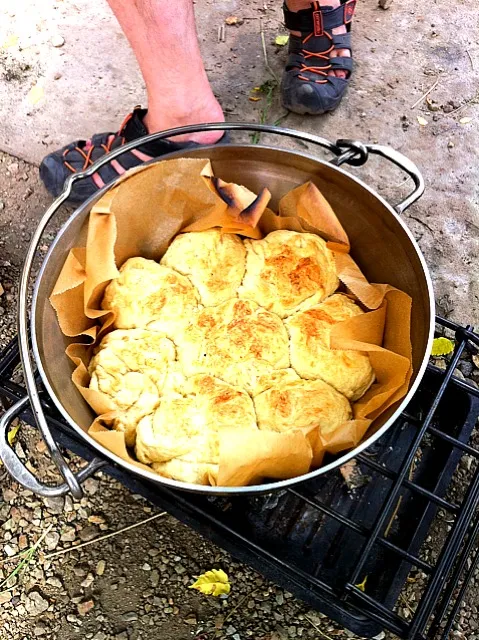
<point>306,87</point>
<point>79,155</point>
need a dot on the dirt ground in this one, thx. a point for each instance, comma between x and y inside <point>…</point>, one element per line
<point>135,585</point>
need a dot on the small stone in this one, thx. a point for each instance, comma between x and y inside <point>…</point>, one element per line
<point>450,144</point>
<point>57,76</point>
<point>100,568</point>
<point>121,636</point>
<point>36,604</point>
<point>55,582</point>
<point>99,636</point>
<point>9,495</point>
<point>88,581</point>
<point>73,619</point>
<point>79,571</point>
<point>51,540</point>
<point>85,607</point>
<point>40,630</point>
<point>9,550</point>
<point>22,541</point>
<point>88,533</point>
<point>91,486</point>
<point>180,569</point>
<point>236,636</point>
<point>146,567</point>
<point>190,619</point>
<point>13,167</point>
<point>154,578</point>
<point>230,630</point>
<point>380,636</point>
<point>68,535</point>
<point>54,505</point>
<point>130,616</point>
<point>279,598</point>
<point>2,205</point>
<point>57,40</point>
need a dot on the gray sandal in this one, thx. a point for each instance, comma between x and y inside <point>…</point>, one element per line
<point>306,86</point>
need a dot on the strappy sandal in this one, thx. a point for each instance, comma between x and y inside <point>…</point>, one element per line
<point>79,155</point>
<point>306,86</point>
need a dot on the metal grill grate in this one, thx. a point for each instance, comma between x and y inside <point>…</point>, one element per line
<point>320,540</point>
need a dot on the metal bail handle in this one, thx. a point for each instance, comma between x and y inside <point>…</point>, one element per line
<point>345,151</point>
<point>22,475</point>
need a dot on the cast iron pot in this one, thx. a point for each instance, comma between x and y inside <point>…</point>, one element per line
<point>381,244</point>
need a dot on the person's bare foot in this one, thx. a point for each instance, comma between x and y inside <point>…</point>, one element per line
<point>161,119</point>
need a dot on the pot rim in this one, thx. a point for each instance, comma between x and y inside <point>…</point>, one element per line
<point>249,489</point>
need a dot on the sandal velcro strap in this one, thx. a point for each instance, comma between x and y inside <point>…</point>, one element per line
<point>318,21</point>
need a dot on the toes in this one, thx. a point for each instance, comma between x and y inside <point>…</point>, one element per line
<point>339,53</point>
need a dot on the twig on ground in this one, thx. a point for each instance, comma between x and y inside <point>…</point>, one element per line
<point>424,96</point>
<point>265,53</point>
<point>105,537</point>
<point>471,59</point>
<point>315,626</point>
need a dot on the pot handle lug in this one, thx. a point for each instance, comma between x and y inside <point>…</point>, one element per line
<point>23,476</point>
<point>356,154</point>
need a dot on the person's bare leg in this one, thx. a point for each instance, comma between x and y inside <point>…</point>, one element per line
<point>298,5</point>
<point>163,36</point>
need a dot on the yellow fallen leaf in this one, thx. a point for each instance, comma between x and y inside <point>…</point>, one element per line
<point>11,41</point>
<point>231,20</point>
<point>12,434</point>
<point>35,94</point>
<point>212,583</point>
<point>281,40</point>
<point>422,121</point>
<point>442,347</point>
<point>362,585</point>
<point>254,98</point>
<point>465,120</point>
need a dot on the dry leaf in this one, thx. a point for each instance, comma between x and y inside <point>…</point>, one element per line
<point>362,585</point>
<point>465,120</point>
<point>442,347</point>
<point>11,41</point>
<point>254,98</point>
<point>232,20</point>
<point>12,434</point>
<point>212,583</point>
<point>281,41</point>
<point>422,121</point>
<point>35,94</point>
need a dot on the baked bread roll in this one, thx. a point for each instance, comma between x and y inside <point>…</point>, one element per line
<point>350,372</point>
<point>301,404</point>
<point>130,368</point>
<point>184,429</point>
<point>213,261</point>
<point>287,271</point>
<point>148,295</point>
<point>236,341</point>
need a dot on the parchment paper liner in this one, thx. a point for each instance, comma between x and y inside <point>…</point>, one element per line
<point>140,216</point>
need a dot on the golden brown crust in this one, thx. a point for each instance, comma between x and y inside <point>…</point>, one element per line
<point>186,425</point>
<point>214,262</point>
<point>236,341</point>
<point>350,372</point>
<point>150,296</point>
<point>287,270</point>
<point>301,404</point>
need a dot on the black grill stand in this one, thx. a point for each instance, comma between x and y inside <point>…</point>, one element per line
<point>320,540</point>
